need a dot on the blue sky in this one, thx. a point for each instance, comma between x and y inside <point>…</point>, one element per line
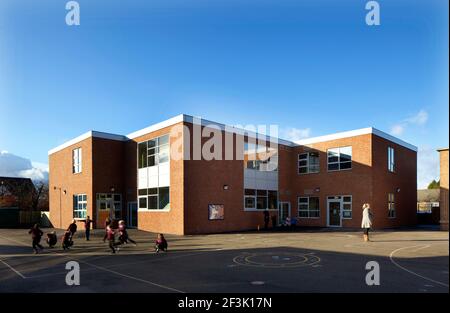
<point>313,67</point>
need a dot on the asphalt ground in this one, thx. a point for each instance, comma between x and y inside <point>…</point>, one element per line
<point>248,262</point>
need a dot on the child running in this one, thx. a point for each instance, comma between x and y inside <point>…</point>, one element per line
<point>161,243</point>
<point>36,235</point>
<point>110,235</point>
<point>123,234</point>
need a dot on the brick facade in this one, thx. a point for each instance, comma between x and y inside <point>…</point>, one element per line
<point>111,162</point>
<point>444,188</point>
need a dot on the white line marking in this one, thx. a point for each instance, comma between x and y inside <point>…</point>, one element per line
<point>95,266</point>
<point>391,256</point>
<point>13,269</point>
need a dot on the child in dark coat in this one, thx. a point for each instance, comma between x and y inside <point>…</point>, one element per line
<point>36,235</point>
<point>161,243</point>
<point>51,239</point>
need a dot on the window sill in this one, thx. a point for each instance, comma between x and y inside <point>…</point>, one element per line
<point>154,211</point>
<point>309,218</point>
<point>260,210</point>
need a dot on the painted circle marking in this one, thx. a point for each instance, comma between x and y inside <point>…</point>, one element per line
<point>276,260</point>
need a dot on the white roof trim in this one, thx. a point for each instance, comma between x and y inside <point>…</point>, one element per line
<point>190,119</point>
<point>91,133</point>
<point>171,121</point>
<point>357,132</point>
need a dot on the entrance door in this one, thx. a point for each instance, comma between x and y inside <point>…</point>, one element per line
<point>284,210</point>
<point>334,213</point>
<point>132,214</point>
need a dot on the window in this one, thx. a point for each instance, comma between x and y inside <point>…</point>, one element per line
<point>260,157</point>
<point>308,163</point>
<point>76,161</point>
<point>79,206</point>
<point>260,199</point>
<point>391,205</point>
<point>153,152</point>
<point>391,159</point>
<point>347,207</point>
<point>308,207</point>
<point>154,198</point>
<point>339,158</point>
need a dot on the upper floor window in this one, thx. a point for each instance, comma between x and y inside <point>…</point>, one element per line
<point>260,157</point>
<point>339,158</point>
<point>153,152</point>
<point>391,159</point>
<point>391,205</point>
<point>76,160</point>
<point>308,163</point>
<point>154,198</point>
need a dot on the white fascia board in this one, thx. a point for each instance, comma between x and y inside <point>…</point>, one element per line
<point>91,133</point>
<point>357,132</point>
<point>171,121</point>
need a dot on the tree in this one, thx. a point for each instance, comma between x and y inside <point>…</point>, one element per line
<point>434,184</point>
<point>39,199</point>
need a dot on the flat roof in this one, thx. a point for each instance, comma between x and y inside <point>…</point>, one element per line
<point>199,121</point>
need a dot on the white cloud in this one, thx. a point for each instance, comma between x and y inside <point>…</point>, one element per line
<point>295,134</point>
<point>427,166</point>
<point>397,130</point>
<point>419,119</point>
<point>15,166</point>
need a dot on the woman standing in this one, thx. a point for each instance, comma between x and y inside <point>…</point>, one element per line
<point>366,223</point>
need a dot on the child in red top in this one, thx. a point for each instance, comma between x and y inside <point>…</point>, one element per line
<point>123,234</point>
<point>36,235</point>
<point>111,236</point>
<point>161,243</point>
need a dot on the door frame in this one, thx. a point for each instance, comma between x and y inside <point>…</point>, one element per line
<point>280,205</point>
<point>130,214</point>
<point>340,201</point>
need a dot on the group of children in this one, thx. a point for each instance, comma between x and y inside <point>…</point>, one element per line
<point>110,235</point>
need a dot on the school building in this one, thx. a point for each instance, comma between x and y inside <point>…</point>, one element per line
<point>159,180</point>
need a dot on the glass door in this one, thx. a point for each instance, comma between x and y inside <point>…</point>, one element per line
<point>132,214</point>
<point>334,212</point>
<point>284,210</point>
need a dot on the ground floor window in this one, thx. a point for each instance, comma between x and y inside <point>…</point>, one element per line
<point>110,202</point>
<point>308,207</point>
<point>347,207</point>
<point>391,205</point>
<point>154,198</point>
<point>255,199</point>
<point>79,206</point>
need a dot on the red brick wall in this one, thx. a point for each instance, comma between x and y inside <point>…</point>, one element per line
<point>60,175</point>
<point>384,182</point>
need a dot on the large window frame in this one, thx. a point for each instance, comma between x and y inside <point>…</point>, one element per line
<point>260,200</point>
<point>347,207</point>
<point>308,207</point>
<point>308,163</point>
<point>260,157</point>
<point>154,199</point>
<point>77,160</point>
<point>154,151</point>
<point>391,159</point>
<point>392,213</point>
<point>79,206</point>
<point>340,159</point>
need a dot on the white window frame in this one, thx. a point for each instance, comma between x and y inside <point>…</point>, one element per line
<point>392,213</point>
<point>308,209</point>
<point>343,207</point>
<point>339,162</point>
<point>77,160</point>
<point>80,205</point>
<point>146,209</point>
<point>308,163</point>
<point>156,153</point>
<point>391,159</point>
<point>255,199</point>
